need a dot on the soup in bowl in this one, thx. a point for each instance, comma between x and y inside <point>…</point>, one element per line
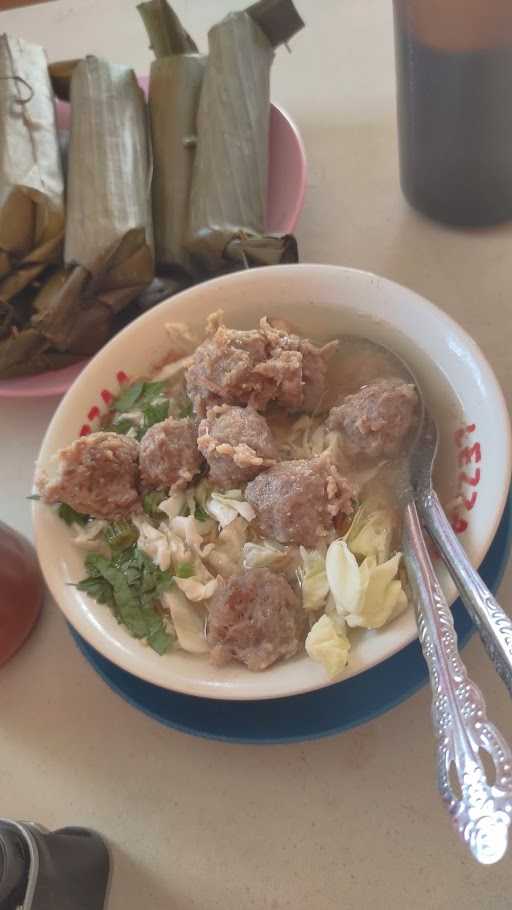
<point>223,507</point>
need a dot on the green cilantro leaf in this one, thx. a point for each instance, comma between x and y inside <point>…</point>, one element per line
<point>132,586</point>
<point>70,516</point>
<point>150,503</point>
<point>127,399</point>
<point>120,535</point>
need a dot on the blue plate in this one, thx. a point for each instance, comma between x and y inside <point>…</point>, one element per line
<point>301,717</point>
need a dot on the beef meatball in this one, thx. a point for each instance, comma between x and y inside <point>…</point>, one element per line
<point>222,369</point>
<point>374,422</point>
<point>255,618</point>
<point>98,476</point>
<point>169,456</point>
<point>256,367</point>
<point>308,394</point>
<point>237,444</point>
<point>298,501</point>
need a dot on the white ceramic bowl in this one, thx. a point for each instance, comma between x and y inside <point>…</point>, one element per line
<point>323,301</point>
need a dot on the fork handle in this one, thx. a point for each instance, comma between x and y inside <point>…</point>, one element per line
<point>493,624</point>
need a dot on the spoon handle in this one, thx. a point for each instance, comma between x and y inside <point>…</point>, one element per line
<point>493,624</point>
<point>480,807</point>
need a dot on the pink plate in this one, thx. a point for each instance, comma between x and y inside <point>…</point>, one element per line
<point>285,197</point>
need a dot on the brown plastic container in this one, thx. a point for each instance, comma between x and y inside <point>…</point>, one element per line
<point>454,100</point>
<point>21,591</point>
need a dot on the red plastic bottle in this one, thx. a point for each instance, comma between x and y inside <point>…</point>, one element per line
<point>21,591</point>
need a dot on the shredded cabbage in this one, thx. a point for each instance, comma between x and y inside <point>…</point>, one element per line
<point>344,578</point>
<point>373,538</point>
<point>225,507</point>
<point>196,590</point>
<point>189,530</point>
<point>201,585</point>
<point>328,646</point>
<point>331,611</point>
<point>314,583</point>
<point>188,621</point>
<point>161,544</point>
<point>225,555</point>
<point>264,554</point>
<point>384,598</point>
<point>174,505</point>
<point>88,536</point>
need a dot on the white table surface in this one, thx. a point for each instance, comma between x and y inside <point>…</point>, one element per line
<point>350,822</point>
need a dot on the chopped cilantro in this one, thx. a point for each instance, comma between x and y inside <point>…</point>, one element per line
<point>150,391</point>
<point>127,399</point>
<point>200,514</point>
<point>154,413</point>
<point>122,426</point>
<point>70,516</point>
<point>132,586</point>
<point>148,399</point>
<point>150,503</point>
<point>184,570</point>
<point>120,535</point>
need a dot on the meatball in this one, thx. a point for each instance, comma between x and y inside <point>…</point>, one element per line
<point>256,367</point>
<point>237,444</point>
<point>222,369</point>
<point>298,501</point>
<point>314,363</point>
<point>375,421</point>
<point>98,476</point>
<point>169,456</point>
<point>255,618</point>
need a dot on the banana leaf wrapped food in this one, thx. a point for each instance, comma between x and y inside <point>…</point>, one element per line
<point>166,33</point>
<point>31,177</point>
<point>108,249</point>
<point>174,87</point>
<point>229,178</point>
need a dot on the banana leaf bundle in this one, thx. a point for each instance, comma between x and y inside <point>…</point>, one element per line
<point>108,249</point>
<point>174,86</point>
<point>166,33</point>
<point>31,178</point>
<point>229,179</point>
<point>61,72</point>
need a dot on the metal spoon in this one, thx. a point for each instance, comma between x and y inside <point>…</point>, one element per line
<point>479,803</point>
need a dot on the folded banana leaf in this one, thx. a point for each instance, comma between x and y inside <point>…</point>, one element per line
<point>31,178</point>
<point>278,19</point>
<point>174,86</point>
<point>174,89</point>
<point>229,176</point>
<point>109,239</point>
<point>109,242</point>
<point>60,72</point>
<point>271,249</point>
<point>165,31</point>
<point>27,353</point>
<point>109,228</point>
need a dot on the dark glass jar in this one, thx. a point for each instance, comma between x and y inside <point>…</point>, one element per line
<point>454,93</point>
<point>21,591</point>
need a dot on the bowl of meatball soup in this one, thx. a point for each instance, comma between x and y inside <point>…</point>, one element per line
<point>218,510</point>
